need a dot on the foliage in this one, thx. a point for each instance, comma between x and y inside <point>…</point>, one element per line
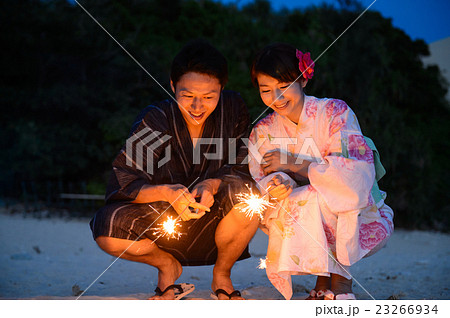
<point>70,93</point>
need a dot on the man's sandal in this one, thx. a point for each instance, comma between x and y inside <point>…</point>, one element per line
<point>181,290</point>
<point>235,293</point>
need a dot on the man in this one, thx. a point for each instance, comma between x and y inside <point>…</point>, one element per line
<point>178,152</point>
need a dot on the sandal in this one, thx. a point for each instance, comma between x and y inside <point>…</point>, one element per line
<point>181,290</point>
<point>235,293</point>
<point>347,296</point>
<point>329,295</point>
<point>323,294</point>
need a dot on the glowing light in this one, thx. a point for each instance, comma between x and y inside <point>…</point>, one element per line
<point>252,204</point>
<point>168,229</point>
<point>262,263</point>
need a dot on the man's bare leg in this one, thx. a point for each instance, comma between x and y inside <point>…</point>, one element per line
<point>233,234</point>
<point>145,251</point>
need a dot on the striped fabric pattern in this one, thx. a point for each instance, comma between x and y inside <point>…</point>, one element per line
<point>122,219</point>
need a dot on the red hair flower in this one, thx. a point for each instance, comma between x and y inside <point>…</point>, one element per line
<point>305,64</point>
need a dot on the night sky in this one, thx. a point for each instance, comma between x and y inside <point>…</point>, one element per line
<point>420,19</point>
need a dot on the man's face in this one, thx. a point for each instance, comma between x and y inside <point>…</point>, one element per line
<point>197,95</point>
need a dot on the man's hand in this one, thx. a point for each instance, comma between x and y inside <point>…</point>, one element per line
<point>206,191</point>
<point>181,199</point>
<point>278,188</point>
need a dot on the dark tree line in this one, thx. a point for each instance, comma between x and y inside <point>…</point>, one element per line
<point>69,92</point>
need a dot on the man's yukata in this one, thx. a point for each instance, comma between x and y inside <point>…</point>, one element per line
<point>160,132</point>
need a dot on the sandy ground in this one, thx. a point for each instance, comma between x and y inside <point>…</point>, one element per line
<point>57,259</point>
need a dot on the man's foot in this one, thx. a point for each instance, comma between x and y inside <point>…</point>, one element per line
<point>167,275</point>
<point>180,290</point>
<point>222,281</point>
<point>229,296</point>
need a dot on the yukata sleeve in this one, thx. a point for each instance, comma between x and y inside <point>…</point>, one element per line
<point>345,177</point>
<point>136,162</point>
<point>259,145</point>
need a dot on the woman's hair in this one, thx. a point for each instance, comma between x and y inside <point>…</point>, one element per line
<point>200,57</point>
<point>277,60</point>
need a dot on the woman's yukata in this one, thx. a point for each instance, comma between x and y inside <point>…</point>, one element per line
<point>339,217</point>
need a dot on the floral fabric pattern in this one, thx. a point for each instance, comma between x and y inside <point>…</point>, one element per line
<point>371,234</point>
<point>329,233</point>
<point>335,107</point>
<point>358,148</point>
<point>311,109</point>
<point>336,125</point>
<point>329,224</point>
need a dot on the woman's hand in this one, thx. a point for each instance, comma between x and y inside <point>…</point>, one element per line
<point>181,199</point>
<point>206,191</point>
<point>278,188</point>
<point>276,161</point>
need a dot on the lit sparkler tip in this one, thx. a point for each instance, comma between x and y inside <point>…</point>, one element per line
<point>169,226</point>
<point>262,263</point>
<point>169,229</point>
<point>252,203</point>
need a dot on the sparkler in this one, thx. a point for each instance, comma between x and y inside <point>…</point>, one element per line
<point>169,229</point>
<point>252,203</point>
<point>262,263</point>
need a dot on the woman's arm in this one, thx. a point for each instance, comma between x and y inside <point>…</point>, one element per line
<point>276,161</point>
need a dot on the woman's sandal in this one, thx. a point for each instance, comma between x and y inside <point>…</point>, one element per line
<point>347,296</point>
<point>181,290</point>
<point>320,295</point>
<point>235,293</point>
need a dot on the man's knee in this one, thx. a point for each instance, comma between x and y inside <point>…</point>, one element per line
<point>107,244</point>
<point>243,220</point>
<point>118,247</point>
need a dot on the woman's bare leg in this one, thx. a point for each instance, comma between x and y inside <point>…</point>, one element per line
<point>340,284</point>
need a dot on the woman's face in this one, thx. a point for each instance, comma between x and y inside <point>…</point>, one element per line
<point>197,95</point>
<point>289,103</point>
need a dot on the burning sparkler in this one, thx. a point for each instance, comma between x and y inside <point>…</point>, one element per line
<point>262,263</point>
<point>252,204</point>
<point>169,229</point>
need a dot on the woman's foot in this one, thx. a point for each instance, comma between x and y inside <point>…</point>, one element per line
<point>323,285</point>
<point>341,287</point>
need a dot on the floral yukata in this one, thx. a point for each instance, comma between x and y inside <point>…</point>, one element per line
<point>339,217</point>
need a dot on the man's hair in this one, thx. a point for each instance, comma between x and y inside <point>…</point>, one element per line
<point>277,60</point>
<point>200,57</point>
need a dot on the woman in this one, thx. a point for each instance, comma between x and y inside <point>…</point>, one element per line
<point>314,160</point>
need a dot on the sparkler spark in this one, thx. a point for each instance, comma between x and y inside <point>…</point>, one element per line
<point>169,229</point>
<point>253,204</point>
<point>262,263</point>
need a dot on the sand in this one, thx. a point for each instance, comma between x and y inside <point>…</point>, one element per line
<point>56,258</point>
